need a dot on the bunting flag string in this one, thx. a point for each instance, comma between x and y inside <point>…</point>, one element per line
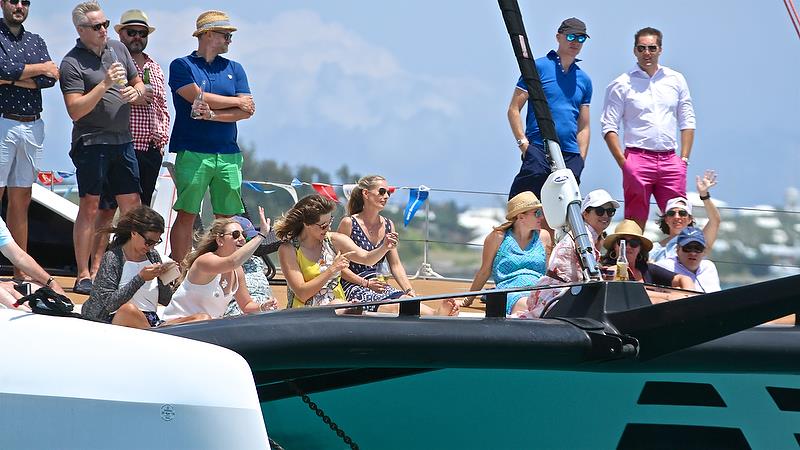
<point>416,198</point>
<point>255,186</point>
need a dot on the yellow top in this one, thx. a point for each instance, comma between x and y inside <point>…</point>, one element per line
<point>310,270</point>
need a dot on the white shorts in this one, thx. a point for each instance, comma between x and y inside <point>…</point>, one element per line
<point>21,148</point>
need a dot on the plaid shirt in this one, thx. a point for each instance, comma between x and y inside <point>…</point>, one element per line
<point>150,123</point>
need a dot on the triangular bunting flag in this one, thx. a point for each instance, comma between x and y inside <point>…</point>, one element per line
<point>325,190</point>
<point>289,188</point>
<point>347,189</point>
<point>416,198</point>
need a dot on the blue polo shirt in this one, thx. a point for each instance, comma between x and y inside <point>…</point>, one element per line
<point>565,92</point>
<point>223,77</point>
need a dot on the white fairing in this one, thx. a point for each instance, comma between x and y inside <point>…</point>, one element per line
<point>558,192</point>
<point>73,384</point>
<point>164,197</point>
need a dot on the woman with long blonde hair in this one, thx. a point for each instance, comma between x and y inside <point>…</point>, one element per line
<point>213,272</point>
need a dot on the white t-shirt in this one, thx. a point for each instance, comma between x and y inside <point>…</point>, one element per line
<point>5,235</point>
<point>146,298</point>
<point>706,279</point>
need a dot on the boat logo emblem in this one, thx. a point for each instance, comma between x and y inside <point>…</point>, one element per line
<point>167,413</point>
<point>560,179</point>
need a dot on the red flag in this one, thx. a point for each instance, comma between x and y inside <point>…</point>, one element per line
<point>325,190</point>
<point>46,178</point>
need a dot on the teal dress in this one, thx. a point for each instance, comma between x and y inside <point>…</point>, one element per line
<point>516,267</point>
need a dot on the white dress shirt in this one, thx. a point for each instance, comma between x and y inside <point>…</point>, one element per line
<point>651,109</point>
<point>706,279</point>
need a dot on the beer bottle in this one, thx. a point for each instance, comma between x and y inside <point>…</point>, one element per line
<point>622,263</point>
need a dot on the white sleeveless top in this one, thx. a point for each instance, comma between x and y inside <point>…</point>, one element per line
<point>206,298</point>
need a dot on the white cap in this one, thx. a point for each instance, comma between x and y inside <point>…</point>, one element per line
<point>598,197</point>
<point>680,203</point>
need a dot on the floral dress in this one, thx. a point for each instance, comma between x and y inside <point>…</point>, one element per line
<point>257,283</point>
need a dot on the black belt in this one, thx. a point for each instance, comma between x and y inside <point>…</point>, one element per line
<point>19,118</point>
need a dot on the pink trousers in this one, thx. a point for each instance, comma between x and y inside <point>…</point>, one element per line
<point>646,172</point>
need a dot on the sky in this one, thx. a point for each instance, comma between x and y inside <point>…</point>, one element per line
<point>418,90</point>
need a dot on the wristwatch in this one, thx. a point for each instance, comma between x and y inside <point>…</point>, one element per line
<point>685,159</point>
<point>522,141</point>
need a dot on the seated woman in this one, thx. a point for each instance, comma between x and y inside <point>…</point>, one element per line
<point>126,290</point>
<point>515,253</point>
<point>637,247</point>
<point>597,209</point>
<point>255,275</point>
<point>368,229</point>
<point>213,272</point>
<point>678,215</point>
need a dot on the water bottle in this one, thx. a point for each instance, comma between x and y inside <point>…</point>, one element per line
<point>196,114</point>
<point>622,263</point>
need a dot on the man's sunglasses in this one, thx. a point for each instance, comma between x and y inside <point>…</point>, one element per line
<point>581,38</point>
<point>226,36</point>
<point>680,212</point>
<point>133,33</point>
<point>98,26</point>
<point>600,211</point>
<point>693,248</point>
<point>25,3</point>
<point>235,234</point>
<point>650,48</point>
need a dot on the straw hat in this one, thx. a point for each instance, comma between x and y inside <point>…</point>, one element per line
<point>133,17</point>
<point>522,202</point>
<point>627,228</point>
<point>213,21</point>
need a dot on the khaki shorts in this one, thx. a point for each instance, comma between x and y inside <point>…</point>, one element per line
<point>219,173</point>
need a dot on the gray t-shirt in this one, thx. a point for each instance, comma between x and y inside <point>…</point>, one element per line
<point>82,70</point>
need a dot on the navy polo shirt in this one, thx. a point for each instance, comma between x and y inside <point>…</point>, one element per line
<point>15,53</point>
<point>566,91</point>
<point>223,77</point>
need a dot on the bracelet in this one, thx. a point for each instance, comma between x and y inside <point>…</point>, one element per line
<point>211,114</point>
<point>49,280</point>
<point>705,197</point>
<point>262,235</point>
<point>13,82</point>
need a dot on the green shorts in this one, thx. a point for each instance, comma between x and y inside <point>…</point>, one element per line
<point>197,172</point>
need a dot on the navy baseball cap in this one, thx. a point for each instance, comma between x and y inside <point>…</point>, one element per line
<point>691,234</point>
<point>247,227</point>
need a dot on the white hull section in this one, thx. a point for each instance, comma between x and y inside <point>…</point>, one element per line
<point>120,388</point>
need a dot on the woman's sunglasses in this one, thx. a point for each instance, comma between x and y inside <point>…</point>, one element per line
<point>680,212</point>
<point>600,211</point>
<point>632,243</point>
<point>325,225</point>
<point>384,191</point>
<point>235,234</point>
<point>149,242</point>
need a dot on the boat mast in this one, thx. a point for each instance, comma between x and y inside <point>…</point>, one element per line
<point>789,4</point>
<point>537,100</point>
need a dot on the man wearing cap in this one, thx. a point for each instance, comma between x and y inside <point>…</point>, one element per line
<point>650,102</point>
<point>99,80</point>
<point>25,69</point>
<point>204,135</point>
<point>149,121</point>
<point>569,91</point>
<point>690,261</point>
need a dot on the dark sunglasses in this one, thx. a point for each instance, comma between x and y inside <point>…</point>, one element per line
<point>98,26</point>
<point>600,211</point>
<point>581,38</point>
<point>693,248</point>
<point>384,191</point>
<point>680,212</point>
<point>16,2</point>
<point>150,242</point>
<point>235,234</point>
<point>650,48</point>
<point>133,33</point>
<point>227,36</point>
<point>325,225</point>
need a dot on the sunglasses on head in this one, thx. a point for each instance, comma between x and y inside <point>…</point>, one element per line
<point>133,33</point>
<point>16,2</point>
<point>600,211</point>
<point>693,248</point>
<point>650,48</point>
<point>98,26</point>
<point>581,38</point>
<point>680,212</point>
<point>150,242</point>
<point>235,234</point>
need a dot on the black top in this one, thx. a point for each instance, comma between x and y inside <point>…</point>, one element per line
<point>15,52</point>
<point>654,274</point>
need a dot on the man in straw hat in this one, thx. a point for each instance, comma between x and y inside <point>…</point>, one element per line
<point>149,121</point>
<point>204,135</point>
<point>99,80</point>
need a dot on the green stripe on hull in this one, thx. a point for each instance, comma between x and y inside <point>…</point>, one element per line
<point>517,409</point>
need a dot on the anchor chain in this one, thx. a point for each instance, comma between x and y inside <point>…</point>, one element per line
<point>325,418</point>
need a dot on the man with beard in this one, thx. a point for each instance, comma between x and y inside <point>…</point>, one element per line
<point>210,94</point>
<point>25,69</point>
<point>98,80</point>
<point>149,121</point>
